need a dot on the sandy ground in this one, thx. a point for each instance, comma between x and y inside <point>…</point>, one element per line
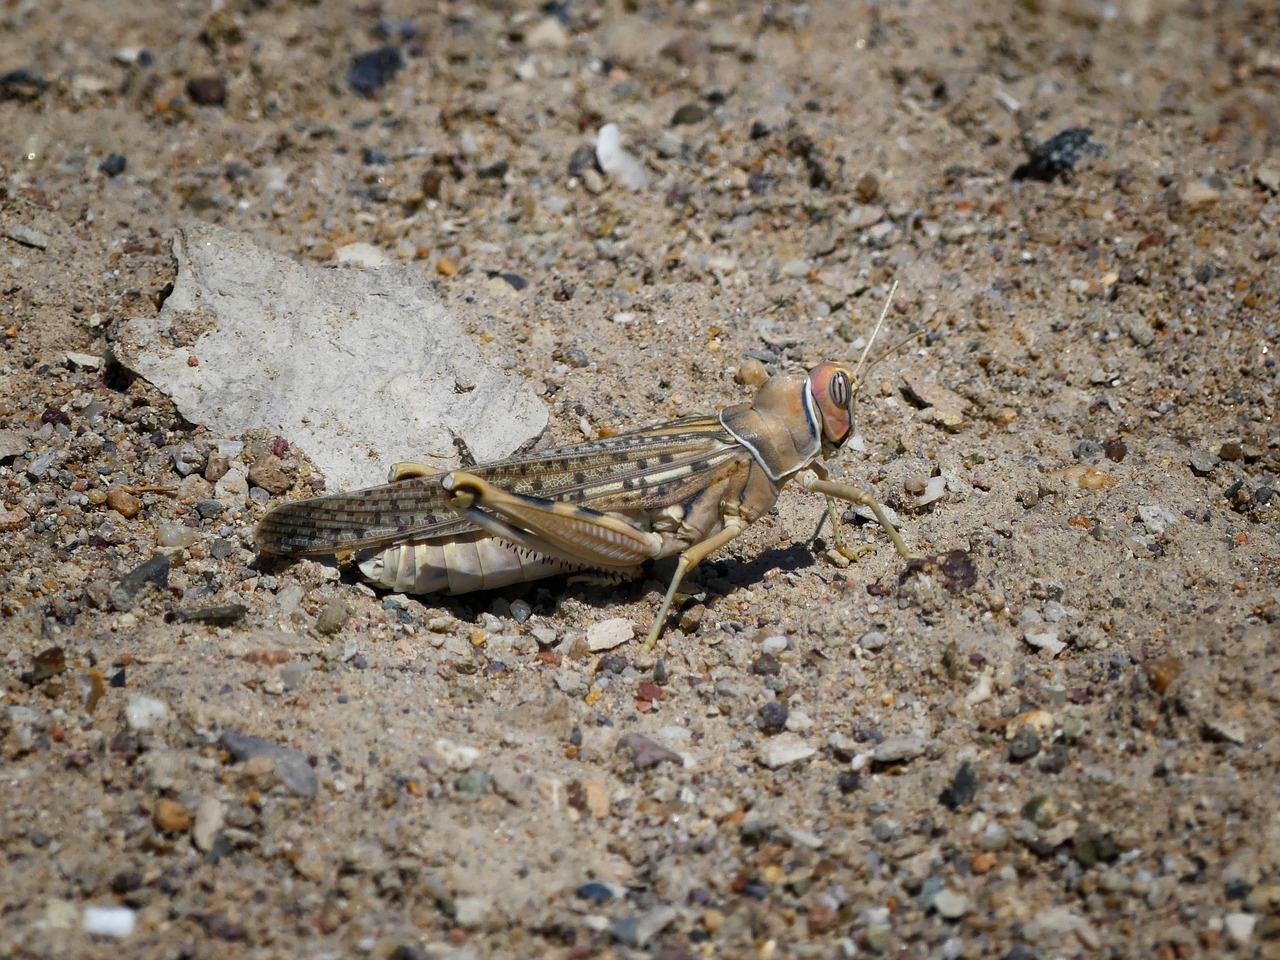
<point>1059,740</point>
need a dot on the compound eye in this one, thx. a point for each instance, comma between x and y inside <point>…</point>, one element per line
<point>841,390</point>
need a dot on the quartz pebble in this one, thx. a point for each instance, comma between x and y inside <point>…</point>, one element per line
<point>784,750</point>
<point>117,922</point>
<point>616,162</point>
<point>607,634</point>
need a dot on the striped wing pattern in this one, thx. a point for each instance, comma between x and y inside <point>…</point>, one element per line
<point>645,469</point>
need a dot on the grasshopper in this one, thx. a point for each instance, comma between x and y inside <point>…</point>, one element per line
<point>686,487</point>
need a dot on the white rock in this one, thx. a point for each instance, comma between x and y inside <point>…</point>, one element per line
<point>232,489</point>
<point>935,489</point>
<point>325,358</point>
<point>471,912</point>
<point>608,634</point>
<point>362,255</point>
<point>799,722</point>
<point>1156,518</point>
<point>208,824</point>
<point>143,713</point>
<point>617,162</point>
<point>109,921</point>
<point>1048,642</point>
<point>547,34</point>
<point>13,443</point>
<point>456,756</point>
<point>1239,927</point>
<point>784,749</point>
<point>85,361</point>
<point>951,905</point>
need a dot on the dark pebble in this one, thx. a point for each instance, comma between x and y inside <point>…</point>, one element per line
<point>766,665</point>
<point>1024,745</point>
<point>21,84</point>
<point>222,615</point>
<point>689,113</point>
<point>595,892</point>
<point>759,130</point>
<point>1115,450</point>
<point>1090,847</point>
<point>208,91</point>
<point>493,171</point>
<point>1237,889</point>
<point>660,675</point>
<point>54,415</point>
<point>1057,155</point>
<point>516,281</point>
<point>582,160</point>
<point>773,716</point>
<point>155,570</point>
<point>1020,951</point>
<point>113,164</point>
<point>576,357</point>
<point>848,782</point>
<point>118,679</point>
<point>222,549</point>
<point>208,509</point>
<point>374,158</point>
<point>1053,760</point>
<point>612,663</point>
<point>371,71</point>
<point>962,788</point>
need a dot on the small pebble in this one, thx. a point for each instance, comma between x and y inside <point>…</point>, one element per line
<point>963,787</point>
<point>371,71</point>
<point>644,752</point>
<point>950,904</point>
<point>772,716</point>
<point>784,750</point>
<point>113,164</point>
<point>171,816</point>
<point>115,922</point>
<point>899,749</point>
<point>123,502</point>
<point>143,714</point>
<point>607,634</point>
<point>209,820</point>
<point>332,617</point>
<point>1024,745</point>
<point>209,90</point>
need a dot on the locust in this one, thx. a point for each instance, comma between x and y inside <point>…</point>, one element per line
<point>607,506</point>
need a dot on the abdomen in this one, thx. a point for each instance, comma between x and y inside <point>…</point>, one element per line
<point>457,565</point>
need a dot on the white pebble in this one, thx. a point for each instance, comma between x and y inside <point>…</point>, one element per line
<point>143,713</point>
<point>616,162</point>
<point>1048,642</point>
<point>109,921</point>
<point>935,489</point>
<point>607,634</point>
<point>1240,927</point>
<point>784,749</point>
<point>774,644</point>
<point>456,756</point>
